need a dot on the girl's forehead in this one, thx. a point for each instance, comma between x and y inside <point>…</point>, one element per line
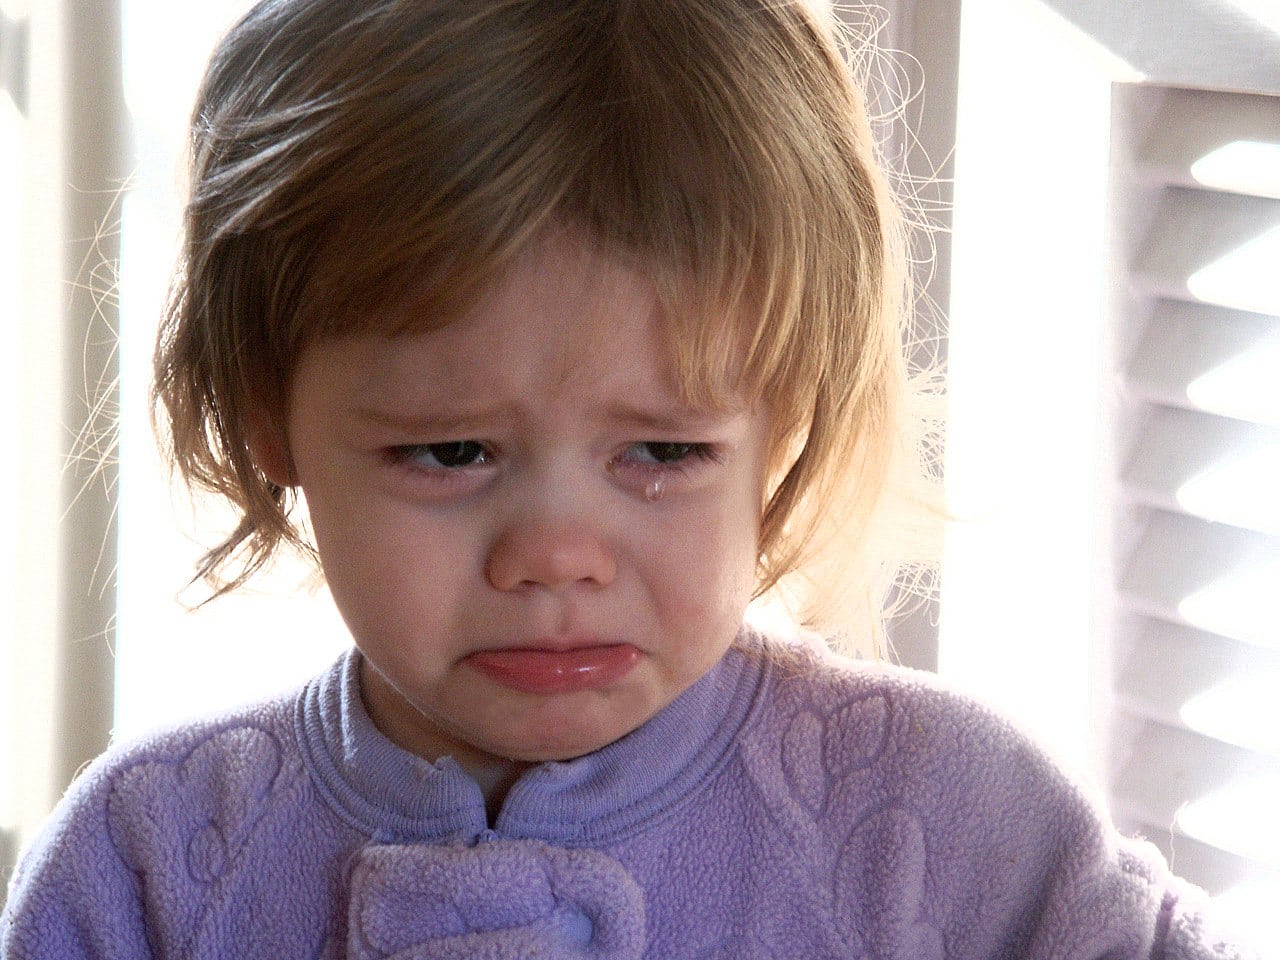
<point>450,381</point>
<point>573,303</point>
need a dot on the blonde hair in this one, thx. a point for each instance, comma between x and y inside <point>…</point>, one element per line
<point>341,151</point>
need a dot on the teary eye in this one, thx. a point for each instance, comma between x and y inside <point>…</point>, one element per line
<point>662,452</point>
<point>449,456</point>
<point>668,452</point>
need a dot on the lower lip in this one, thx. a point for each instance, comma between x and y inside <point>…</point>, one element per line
<point>557,671</point>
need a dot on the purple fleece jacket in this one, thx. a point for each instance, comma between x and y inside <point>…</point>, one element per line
<point>786,806</point>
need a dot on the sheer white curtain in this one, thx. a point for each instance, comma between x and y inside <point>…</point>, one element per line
<point>173,663</point>
<point>63,145</point>
<point>97,637</point>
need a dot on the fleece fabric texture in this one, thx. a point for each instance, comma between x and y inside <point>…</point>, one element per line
<point>787,806</point>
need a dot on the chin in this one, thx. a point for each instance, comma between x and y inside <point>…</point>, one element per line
<point>566,746</point>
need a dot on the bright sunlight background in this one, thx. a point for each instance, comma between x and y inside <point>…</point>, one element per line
<point>173,663</point>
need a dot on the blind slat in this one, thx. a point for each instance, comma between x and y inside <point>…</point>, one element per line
<point>1211,359</point>
<point>1217,794</point>
<point>1209,467</point>
<point>1206,684</point>
<point>1232,261</point>
<point>1219,141</point>
<point>1202,864</point>
<point>1205,575</point>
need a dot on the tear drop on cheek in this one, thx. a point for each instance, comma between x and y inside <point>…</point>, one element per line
<point>653,492</point>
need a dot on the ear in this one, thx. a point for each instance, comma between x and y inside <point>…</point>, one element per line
<point>269,447</point>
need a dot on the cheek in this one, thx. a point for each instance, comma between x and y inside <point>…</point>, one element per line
<point>708,565</point>
<point>378,563</point>
<point>389,535</point>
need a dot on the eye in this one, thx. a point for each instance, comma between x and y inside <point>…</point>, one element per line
<point>446,456</point>
<point>668,453</point>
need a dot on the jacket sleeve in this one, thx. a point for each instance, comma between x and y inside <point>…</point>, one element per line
<point>953,836</point>
<point>1026,858</point>
<point>72,896</point>
<point>173,847</point>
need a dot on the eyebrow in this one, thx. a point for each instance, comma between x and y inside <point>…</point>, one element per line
<point>675,419</point>
<point>417,423</point>
<point>679,418</point>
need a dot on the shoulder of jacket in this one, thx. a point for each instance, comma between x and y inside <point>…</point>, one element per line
<point>805,676</point>
<point>203,771</point>
<point>906,726</point>
<point>240,736</point>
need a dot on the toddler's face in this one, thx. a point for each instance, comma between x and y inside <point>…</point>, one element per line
<point>536,544</point>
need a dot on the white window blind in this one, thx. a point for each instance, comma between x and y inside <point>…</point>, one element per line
<point>1196,746</point>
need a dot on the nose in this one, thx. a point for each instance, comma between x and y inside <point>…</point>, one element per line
<point>549,555</point>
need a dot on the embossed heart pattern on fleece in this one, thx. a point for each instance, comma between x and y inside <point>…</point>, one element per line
<point>788,805</point>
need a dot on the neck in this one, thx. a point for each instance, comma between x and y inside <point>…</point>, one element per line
<point>402,723</point>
